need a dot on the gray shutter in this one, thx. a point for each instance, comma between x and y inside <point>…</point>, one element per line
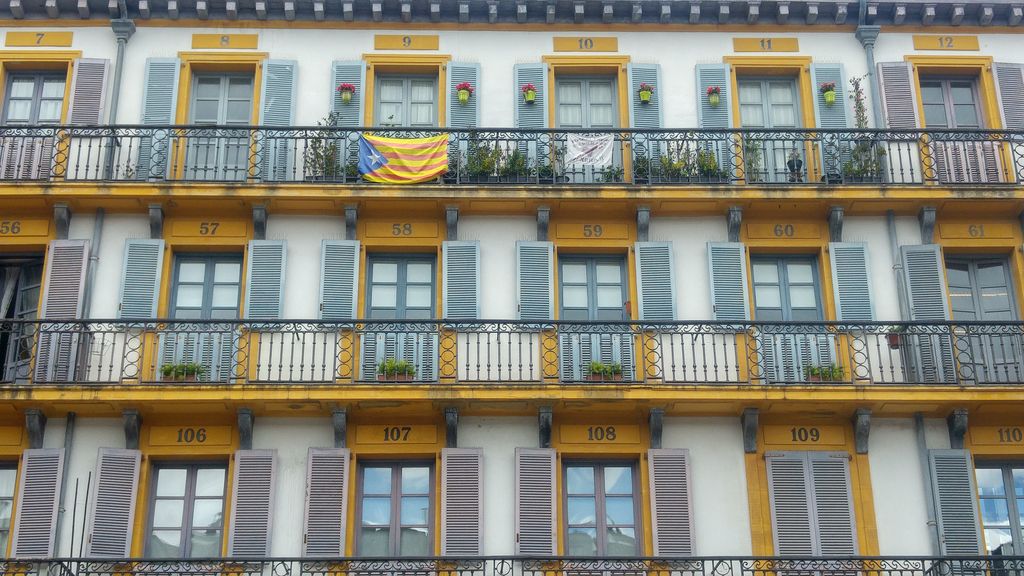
<point>264,285</point>
<point>899,98</point>
<point>252,501</point>
<point>955,502</point>
<point>535,501</point>
<point>851,281</point>
<point>790,499</point>
<point>348,115</point>
<point>656,287</point>
<point>88,92</point>
<point>66,263</point>
<point>326,510</point>
<point>535,289</point>
<point>462,502</point>
<point>140,278</point>
<point>339,279</point>
<point>835,116</point>
<point>461,296</point>
<point>1010,88</point>
<point>277,109</point>
<point>159,97</point>
<point>531,116</point>
<point>710,117</point>
<point>112,515</point>
<point>727,263</point>
<point>671,501</point>
<point>644,115</point>
<point>463,116</point>
<point>833,503</point>
<point>35,518</point>
<point>932,358</point>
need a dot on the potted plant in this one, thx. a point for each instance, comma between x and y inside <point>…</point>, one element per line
<point>865,162</point>
<point>321,153</point>
<point>641,169</point>
<point>599,372</point>
<point>646,90</point>
<point>752,161</point>
<point>829,373</point>
<point>828,92</point>
<point>346,90</point>
<point>482,162</point>
<point>182,372</point>
<point>894,336</point>
<point>707,167</point>
<point>393,370</point>
<point>529,92</point>
<point>464,90</point>
<point>714,96</point>
<point>513,166</point>
<point>611,174</point>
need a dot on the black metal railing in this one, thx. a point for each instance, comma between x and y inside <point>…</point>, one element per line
<point>439,352</point>
<point>319,155</point>
<point>527,566</point>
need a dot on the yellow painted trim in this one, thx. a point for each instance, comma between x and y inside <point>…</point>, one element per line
<point>222,41</point>
<point>39,60</point>
<point>558,64</point>
<point>977,66</point>
<point>945,42</point>
<point>585,44</point>
<point>406,41</point>
<point>218,62</point>
<point>38,38</point>
<point>32,242</point>
<point>766,44</point>
<point>414,63</point>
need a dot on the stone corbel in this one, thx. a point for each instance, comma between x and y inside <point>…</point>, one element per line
<point>62,220</point>
<point>451,216</point>
<point>749,422</point>
<point>927,219</point>
<point>957,424</point>
<point>259,222</point>
<point>655,421</point>
<point>643,223</point>
<point>451,425</point>
<point>156,221</point>
<point>835,224</point>
<point>734,222</point>
<point>339,422</point>
<point>543,219</point>
<point>544,426</point>
<point>351,213</point>
<point>132,424</point>
<point>861,429</point>
<point>35,425</point>
<point>245,422</point>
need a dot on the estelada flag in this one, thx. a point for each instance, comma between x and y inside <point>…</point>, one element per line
<point>402,160</point>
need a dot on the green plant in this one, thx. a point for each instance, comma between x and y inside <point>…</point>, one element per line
<point>829,373</point>
<point>707,165</point>
<point>482,159</point>
<point>514,164</point>
<point>609,370</point>
<point>641,167</point>
<point>865,160</point>
<point>610,174</point>
<point>752,160</point>
<point>182,370</point>
<point>395,367</point>
<point>321,153</point>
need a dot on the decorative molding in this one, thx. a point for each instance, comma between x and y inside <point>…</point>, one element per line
<point>62,220</point>
<point>655,420</point>
<point>643,223</point>
<point>544,426</point>
<point>835,224</point>
<point>543,219</point>
<point>259,222</point>
<point>245,422</point>
<point>451,425</point>
<point>927,219</point>
<point>957,424</point>
<point>861,429</point>
<point>735,220</point>
<point>451,216</point>
<point>749,422</point>
<point>156,221</point>
<point>35,425</point>
<point>339,422</point>
<point>132,424</point>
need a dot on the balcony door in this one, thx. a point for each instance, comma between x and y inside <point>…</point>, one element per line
<point>407,101</point>
<point>771,104</point>
<point>593,289</point>
<point>395,510</point>
<point>954,104</point>
<point>601,511</point>
<point>32,98</point>
<point>981,290</point>
<point>400,287</point>
<point>219,100</point>
<point>20,285</point>
<point>1001,499</point>
<point>588,104</point>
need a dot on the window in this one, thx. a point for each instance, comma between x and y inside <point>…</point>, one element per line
<point>786,288</point>
<point>601,510</point>
<point>950,103</point>
<point>206,287</point>
<point>593,288</point>
<point>220,100</point>
<point>396,509</point>
<point>954,103</point>
<point>186,517</point>
<point>401,287</point>
<point>980,289</point>
<point>20,285</point>
<point>34,99</point>
<point>1001,494</point>
<point>407,102</point>
<point>8,477</point>
<point>586,102</point>
<point>771,104</point>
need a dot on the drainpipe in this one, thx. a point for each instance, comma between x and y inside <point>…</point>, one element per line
<point>922,451</point>
<point>94,258</point>
<point>123,28</point>
<point>897,265</point>
<point>69,437</point>
<point>867,35</point>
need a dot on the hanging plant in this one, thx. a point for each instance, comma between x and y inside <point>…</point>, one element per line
<point>828,92</point>
<point>464,90</point>
<point>646,90</point>
<point>529,93</point>
<point>714,96</point>
<point>346,91</point>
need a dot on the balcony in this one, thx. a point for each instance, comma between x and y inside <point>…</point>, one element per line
<point>487,353</point>
<point>319,155</point>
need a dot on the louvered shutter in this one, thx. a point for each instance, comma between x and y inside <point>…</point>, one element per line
<point>531,116</point>
<point>535,501</point>
<point>264,285</point>
<point>66,263</point>
<point>834,116</point>
<point>656,289</point>
<point>111,519</point>
<point>727,262</point>
<point>339,278</point>
<point>159,98</point>
<point>899,98</point>
<point>463,116</point>
<point>88,92</point>
<point>644,115</point>
<point>462,503</point>
<point>461,296</point>
<point>923,270</point>
<point>955,502</point>
<point>348,115</point>
<point>535,291</point>
<point>833,504</point>
<point>671,501</point>
<point>715,117</point>
<point>326,510</point>
<point>1010,83</point>
<point>790,500</point>
<point>851,281</point>
<point>277,109</point>
<point>140,278</point>
<point>252,501</point>
<point>39,486</point>
<point>29,158</point>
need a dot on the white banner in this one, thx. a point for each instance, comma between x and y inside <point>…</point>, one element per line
<point>589,149</point>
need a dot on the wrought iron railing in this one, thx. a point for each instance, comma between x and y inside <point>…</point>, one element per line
<point>319,155</point>
<point>528,566</point>
<point>439,352</point>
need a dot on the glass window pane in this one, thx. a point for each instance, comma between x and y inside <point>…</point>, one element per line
<point>415,480</point>
<point>376,511</point>
<point>570,115</point>
<point>618,511</point>
<point>767,297</point>
<point>990,481</point>
<point>961,93</point>
<point>189,296</point>
<point>957,274</point>
<point>581,510</point>
<point>390,114</point>
<point>19,110</point>
<point>240,88</point>
<point>750,92</point>
<point>781,92</point>
<point>208,87</point>
<point>600,93</point>
<point>53,88</point>
<point>171,482</point>
<point>239,111</point>
<point>574,273</point>
<point>164,544</point>
<point>415,510</point>
<point>800,272</point>
<point>574,296</point>
<point>1018,481</point>
<point>570,92</point>
<point>994,299</point>
<point>376,480</point>
<point>383,296</point>
<point>417,296</point>
<point>22,88</point>
<point>618,480</point>
<point>1020,512</point>
<point>191,271</point>
<point>49,111</point>
<point>422,91</point>
<point>991,274</point>
<point>935,116</point>
<point>385,272</point>
<point>374,541</point>
<point>205,544</point>
<point>609,273</point>
<point>621,542</point>
<point>581,542</point>
<point>206,111</point>
<point>210,482</point>
<point>994,512</point>
<point>751,115</point>
<point>5,516</point>
<point>227,272</point>
<point>207,513</point>
<point>601,116</point>
<point>931,93</point>
<point>420,272</point>
<point>783,116</point>
<point>391,89</point>
<point>766,272</point>
<point>168,513</point>
<point>609,296</point>
<point>225,296</point>
<point>996,538</point>
<point>966,116</point>
<point>802,297</point>
<point>8,477</point>
<point>414,542</point>
<point>579,480</point>
<point>421,114</point>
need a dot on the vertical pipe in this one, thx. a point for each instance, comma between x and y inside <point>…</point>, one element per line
<point>897,265</point>
<point>94,258</point>
<point>123,28</point>
<point>69,439</point>
<point>922,451</point>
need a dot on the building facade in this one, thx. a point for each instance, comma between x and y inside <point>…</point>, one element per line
<point>702,279</point>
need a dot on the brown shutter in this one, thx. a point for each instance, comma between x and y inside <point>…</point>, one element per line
<point>1010,84</point>
<point>88,92</point>
<point>535,501</point>
<point>66,263</point>
<point>252,501</point>
<point>462,502</point>
<point>671,501</point>
<point>38,496</point>
<point>327,472</point>
<point>113,503</point>
<point>898,95</point>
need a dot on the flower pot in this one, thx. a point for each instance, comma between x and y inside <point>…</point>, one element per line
<point>603,378</point>
<point>346,96</point>
<point>830,97</point>
<point>645,96</point>
<point>463,96</point>
<point>814,378</point>
<point>894,340</point>
<point>395,377</point>
<point>714,100</point>
<point>530,96</point>
<point>187,378</point>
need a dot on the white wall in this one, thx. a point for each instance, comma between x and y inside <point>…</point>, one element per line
<point>498,236</point>
<point>689,237</point>
<point>305,235</point>
<point>897,483</point>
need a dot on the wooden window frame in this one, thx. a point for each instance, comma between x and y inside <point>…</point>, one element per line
<point>972,260</point>
<point>599,499</point>
<point>406,99</point>
<point>1016,530</point>
<point>208,259</point>
<point>945,82</point>
<point>405,64</point>
<point>779,260</point>
<point>591,260</point>
<point>402,260</point>
<point>58,61</point>
<point>192,468</point>
<point>977,67</point>
<point>586,79</point>
<point>395,526</point>
<point>38,79</point>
